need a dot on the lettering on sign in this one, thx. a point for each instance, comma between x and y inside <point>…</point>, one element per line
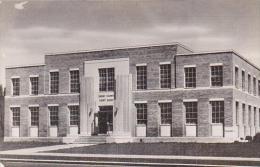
<point>106,97</point>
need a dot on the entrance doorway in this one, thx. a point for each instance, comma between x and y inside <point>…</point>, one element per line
<point>105,119</point>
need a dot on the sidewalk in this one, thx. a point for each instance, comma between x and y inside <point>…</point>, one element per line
<point>39,154</point>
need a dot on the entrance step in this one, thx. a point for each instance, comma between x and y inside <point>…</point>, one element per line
<point>91,139</point>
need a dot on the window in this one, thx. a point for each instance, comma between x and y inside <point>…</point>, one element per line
<point>216,75</point>
<point>16,86</point>
<point>191,112</point>
<point>74,115</point>
<point>34,116</point>
<point>54,81</point>
<point>54,117</point>
<point>249,83</point>
<point>236,77</point>
<point>258,87</point>
<point>166,113</point>
<point>237,113</point>
<point>141,113</point>
<point>249,115</point>
<point>16,116</point>
<point>217,111</point>
<point>34,85</point>
<point>255,116</point>
<point>106,79</point>
<point>74,81</point>
<point>165,73</point>
<point>190,77</point>
<point>141,77</point>
<point>254,86</point>
<point>243,81</point>
<point>244,114</point>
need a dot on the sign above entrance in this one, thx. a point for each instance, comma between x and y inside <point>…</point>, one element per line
<point>106,98</point>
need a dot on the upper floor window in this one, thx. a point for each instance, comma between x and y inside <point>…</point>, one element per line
<point>54,115</point>
<point>16,116</point>
<point>217,75</point>
<point>141,113</point>
<point>34,116</point>
<point>191,109</point>
<point>106,79</point>
<point>217,111</point>
<point>190,77</point>
<point>254,86</point>
<point>258,87</point>
<point>243,81</point>
<point>74,115</point>
<point>166,113</point>
<point>54,82</point>
<point>141,77</point>
<point>34,85</point>
<point>16,86</point>
<point>236,77</point>
<point>165,75</point>
<point>249,83</point>
<point>74,81</point>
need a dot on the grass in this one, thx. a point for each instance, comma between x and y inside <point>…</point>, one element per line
<point>20,145</point>
<point>187,149</point>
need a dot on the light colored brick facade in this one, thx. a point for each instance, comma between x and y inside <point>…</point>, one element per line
<point>126,94</point>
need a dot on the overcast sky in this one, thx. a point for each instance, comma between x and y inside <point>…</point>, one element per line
<point>30,29</point>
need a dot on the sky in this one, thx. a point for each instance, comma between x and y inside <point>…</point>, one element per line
<point>30,29</point>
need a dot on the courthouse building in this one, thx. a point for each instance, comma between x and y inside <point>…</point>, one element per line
<point>148,93</point>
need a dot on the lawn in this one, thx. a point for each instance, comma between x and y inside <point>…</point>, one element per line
<point>20,145</point>
<point>187,149</point>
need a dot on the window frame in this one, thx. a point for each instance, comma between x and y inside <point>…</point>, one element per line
<point>34,114</point>
<point>107,82</point>
<point>194,81</point>
<point>16,117</point>
<point>165,75</point>
<point>75,117</point>
<point>165,112</point>
<point>217,76</point>
<point>243,76</point>
<point>51,90</point>
<point>141,118</point>
<point>217,115</point>
<point>16,89</point>
<point>141,80</point>
<point>34,92</point>
<point>237,77</point>
<point>191,116</point>
<point>53,114</point>
<point>74,82</point>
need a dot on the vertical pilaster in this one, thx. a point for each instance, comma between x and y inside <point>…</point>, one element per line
<point>43,121</point>
<point>178,118</point>
<point>203,118</point>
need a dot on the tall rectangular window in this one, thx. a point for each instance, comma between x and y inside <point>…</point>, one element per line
<point>166,113</point>
<point>254,86</point>
<point>34,116</point>
<point>237,113</point>
<point>74,81</point>
<point>54,82</point>
<point>106,79</point>
<point>258,87</point>
<point>16,86</point>
<point>165,75</point>
<point>249,83</point>
<point>54,115</point>
<point>254,116</point>
<point>243,81</point>
<point>34,85</point>
<point>249,115</point>
<point>236,77</point>
<point>190,77</point>
<point>244,114</point>
<point>74,115</point>
<point>217,111</point>
<point>216,75</point>
<point>141,113</point>
<point>16,116</point>
<point>141,77</point>
<point>191,109</point>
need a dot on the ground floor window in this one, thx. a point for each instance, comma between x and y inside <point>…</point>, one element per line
<point>34,116</point>
<point>74,115</point>
<point>54,117</point>
<point>16,115</point>
<point>191,109</point>
<point>166,113</point>
<point>141,113</point>
<point>217,111</point>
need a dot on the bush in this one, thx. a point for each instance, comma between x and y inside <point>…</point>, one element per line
<point>256,138</point>
<point>249,138</point>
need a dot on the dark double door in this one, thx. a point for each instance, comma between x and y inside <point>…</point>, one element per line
<point>105,119</point>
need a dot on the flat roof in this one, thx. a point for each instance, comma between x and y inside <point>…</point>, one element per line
<point>120,48</point>
<point>221,51</point>
<point>25,66</point>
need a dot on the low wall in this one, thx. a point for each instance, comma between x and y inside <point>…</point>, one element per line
<point>183,139</point>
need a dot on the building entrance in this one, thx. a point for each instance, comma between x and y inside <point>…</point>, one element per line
<point>105,119</point>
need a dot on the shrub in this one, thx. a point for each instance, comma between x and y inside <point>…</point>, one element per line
<point>249,138</point>
<point>256,138</point>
